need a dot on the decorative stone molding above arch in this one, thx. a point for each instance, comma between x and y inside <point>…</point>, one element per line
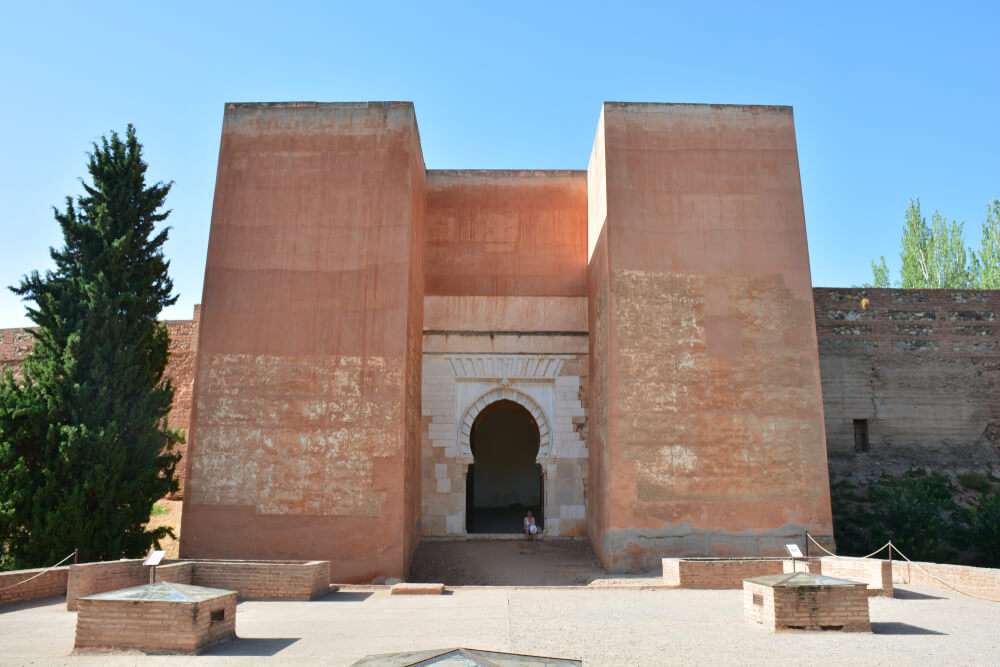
<point>504,393</point>
<point>538,367</point>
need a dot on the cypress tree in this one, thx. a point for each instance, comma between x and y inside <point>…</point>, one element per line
<point>85,447</point>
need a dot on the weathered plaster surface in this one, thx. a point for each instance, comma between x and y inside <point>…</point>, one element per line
<point>712,377</point>
<point>305,437</point>
<point>506,233</point>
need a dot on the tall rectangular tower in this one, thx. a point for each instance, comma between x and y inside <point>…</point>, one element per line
<point>306,420</point>
<point>706,417</point>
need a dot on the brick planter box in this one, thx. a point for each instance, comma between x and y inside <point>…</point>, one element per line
<point>263,580</point>
<point>113,575</point>
<point>803,601</point>
<point>876,573</point>
<point>155,618</point>
<point>717,572</point>
<point>252,580</point>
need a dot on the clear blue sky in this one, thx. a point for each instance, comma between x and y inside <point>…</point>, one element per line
<point>891,101</point>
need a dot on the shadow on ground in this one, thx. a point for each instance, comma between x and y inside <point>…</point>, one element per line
<point>897,628</point>
<point>252,646</point>
<point>344,596</point>
<point>505,563</point>
<point>901,594</point>
<point>10,607</point>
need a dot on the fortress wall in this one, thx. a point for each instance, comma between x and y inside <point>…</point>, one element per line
<point>506,233</point>
<point>601,360</point>
<point>307,367</point>
<point>921,368</point>
<point>715,439</point>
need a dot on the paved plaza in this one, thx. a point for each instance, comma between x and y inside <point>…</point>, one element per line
<point>621,626</point>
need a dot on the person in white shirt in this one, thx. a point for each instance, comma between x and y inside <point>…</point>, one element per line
<point>530,529</point>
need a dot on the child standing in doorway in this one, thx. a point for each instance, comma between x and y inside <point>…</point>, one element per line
<point>530,529</point>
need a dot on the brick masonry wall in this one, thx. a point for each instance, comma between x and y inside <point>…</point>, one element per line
<point>265,581</point>
<point>808,607</point>
<point>53,582</point>
<point>91,578</point>
<point>716,573</point>
<point>252,581</point>
<point>877,574</point>
<point>154,627</point>
<point>979,581</point>
<point>921,366</point>
<point>15,344</point>
<point>175,573</point>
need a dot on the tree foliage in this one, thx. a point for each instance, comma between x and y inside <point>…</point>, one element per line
<point>923,513</point>
<point>85,447</point>
<point>988,260</point>
<point>982,519</point>
<point>934,254</point>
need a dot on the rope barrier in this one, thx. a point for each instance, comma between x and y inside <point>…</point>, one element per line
<point>887,544</point>
<point>934,576</point>
<point>51,567</point>
<point>917,565</point>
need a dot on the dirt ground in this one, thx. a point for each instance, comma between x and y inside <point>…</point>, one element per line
<point>552,562</point>
<point>171,518</point>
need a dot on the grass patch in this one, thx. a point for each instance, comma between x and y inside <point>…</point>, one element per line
<point>975,481</point>
<point>158,510</point>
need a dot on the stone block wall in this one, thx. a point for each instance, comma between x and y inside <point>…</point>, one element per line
<point>916,373</point>
<point>15,344</point>
<point>551,387</point>
<point>51,582</point>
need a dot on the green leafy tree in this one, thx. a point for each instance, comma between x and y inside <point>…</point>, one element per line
<point>934,255</point>
<point>881,273</point>
<point>915,511</point>
<point>987,262</point>
<point>982,519</point>
<point>85,447</point>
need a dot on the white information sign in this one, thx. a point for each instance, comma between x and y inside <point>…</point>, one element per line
<point>154,558</point>
<point>794,551</point>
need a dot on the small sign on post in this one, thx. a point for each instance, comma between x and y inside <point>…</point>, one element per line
<point>153,559</point>
<point>796,553</point>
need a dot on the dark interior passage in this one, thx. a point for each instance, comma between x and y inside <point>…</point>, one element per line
<point>505,481</point>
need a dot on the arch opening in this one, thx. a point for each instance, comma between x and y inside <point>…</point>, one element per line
<point>505,480</point>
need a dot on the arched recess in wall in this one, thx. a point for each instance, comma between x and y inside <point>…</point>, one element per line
<point>505,394</point>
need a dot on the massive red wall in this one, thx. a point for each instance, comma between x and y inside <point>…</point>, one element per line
<point>506,233</point>
<point>307,389</point>
<point>715,440</point>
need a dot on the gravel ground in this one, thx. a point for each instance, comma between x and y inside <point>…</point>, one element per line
<point>601,626</point>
